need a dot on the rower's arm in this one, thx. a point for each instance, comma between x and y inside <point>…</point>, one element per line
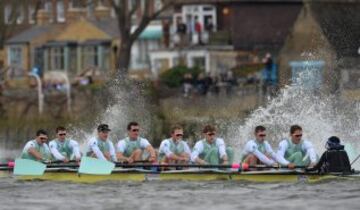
<point>97,152</point>
<point>120,149</point>
<point>35,153</point>
<point>151,150</point>
<point>311,152</point>
<point>222,149</point>
<point>198,148</point>
<point>76,149</point>
<point>165,149</point>
<point>112,152</point>
<point>55,152</point>
<point>281,153</point>
<point>263,158</point>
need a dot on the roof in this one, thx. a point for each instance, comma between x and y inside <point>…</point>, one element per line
<point>263,27</point>
<point>108,25</point>
<point>28,35</point>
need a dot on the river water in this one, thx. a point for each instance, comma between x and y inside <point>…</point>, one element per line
<point>158,195</point>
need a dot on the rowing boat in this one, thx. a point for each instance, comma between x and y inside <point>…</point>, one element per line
<point>135,174</point>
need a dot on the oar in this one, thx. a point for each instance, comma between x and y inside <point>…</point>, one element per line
<point>274,167</point>
<point>29,167</point>
<point>238,167</point>
<point>9,164</point>
<point>355,160</point>
<point>95,166</point>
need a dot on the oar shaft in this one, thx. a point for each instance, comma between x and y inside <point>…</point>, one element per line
<point>355,160</point>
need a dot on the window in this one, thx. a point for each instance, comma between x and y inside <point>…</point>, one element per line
<point>49,9</point>
<point>143,49</point>
<point>57,58</point>
<point>158,5</point>
<point>20,14</point>
<point>31,14</point>
<point>76,4</point>
<point>106,58</point>
<point>60,12</point>
<point>199,62</point>
<point>90,56</point>
<point>7,14</point>
<point>15,56</point>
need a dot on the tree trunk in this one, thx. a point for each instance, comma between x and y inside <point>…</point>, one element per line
<point>124,57</point>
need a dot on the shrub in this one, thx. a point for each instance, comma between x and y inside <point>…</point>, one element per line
<point>174,76</point>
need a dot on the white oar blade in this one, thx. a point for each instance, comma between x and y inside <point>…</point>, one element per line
<point>95,166</point>
<point>29,167</point>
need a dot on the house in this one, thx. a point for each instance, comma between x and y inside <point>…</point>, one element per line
<point>241,32</point>
<point>77,46</point>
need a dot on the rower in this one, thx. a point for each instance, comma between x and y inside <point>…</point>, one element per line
<point>135,148</point>
<point>174,150</point>
<point>211,150</point>
<point>64,149</point>
<point>37,149</point>
<point>101,146</point>
<point>296,151</point>
<point>334,159</point>
<point>259,151</point>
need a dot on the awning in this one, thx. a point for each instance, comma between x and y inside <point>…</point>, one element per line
<point>152,32</point>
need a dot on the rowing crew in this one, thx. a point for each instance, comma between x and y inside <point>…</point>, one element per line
<point>292,152</point>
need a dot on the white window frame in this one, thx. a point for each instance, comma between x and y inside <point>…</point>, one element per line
<point>57,58</point>
<point>7,14</point>
<point>48,6</point>
<point>60,11</point>
<point>15,56</point>
<point>20,14</point>
<point>31,13</point>
<point>73,6</point>
<point>90,56</point>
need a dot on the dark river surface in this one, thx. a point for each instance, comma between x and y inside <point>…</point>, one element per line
<point>157,195</point>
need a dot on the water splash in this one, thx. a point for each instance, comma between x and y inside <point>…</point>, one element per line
<point>321,115</point>
<point>124,102</point>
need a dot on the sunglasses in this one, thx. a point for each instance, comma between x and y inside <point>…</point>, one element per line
<point>43,138</point>
<point>300,135</point>
<point>262,135</point>
<point>178,135</point>
<point>211,134</point>
<point>62,134</point>
<point>135,130</point>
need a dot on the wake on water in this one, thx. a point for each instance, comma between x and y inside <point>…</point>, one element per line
<point>320,115</point>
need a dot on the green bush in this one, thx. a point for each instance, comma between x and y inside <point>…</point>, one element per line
<point>174,76</point>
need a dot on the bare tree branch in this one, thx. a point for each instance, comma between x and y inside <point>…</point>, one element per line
<point>147,18</point>
<point>134,8</point>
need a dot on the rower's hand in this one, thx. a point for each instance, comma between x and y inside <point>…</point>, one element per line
<point>152,159</point>
<point>291,165</point>
<point>203,162</point>
<point>276,165</point>
<point>311,165</point>
<point>66,160</point>
<point>129,160</point>
<point>225,162</point>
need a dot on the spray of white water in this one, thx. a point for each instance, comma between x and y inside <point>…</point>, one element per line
<point>126,104</point>
<point>320,116</point>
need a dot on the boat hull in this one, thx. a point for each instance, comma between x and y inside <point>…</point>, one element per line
<point>199,175</point>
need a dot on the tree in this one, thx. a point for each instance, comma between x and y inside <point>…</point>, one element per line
<point>8,22</point>
<point>124,10</point>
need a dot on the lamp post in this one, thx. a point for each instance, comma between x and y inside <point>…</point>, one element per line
<point>40,93</point>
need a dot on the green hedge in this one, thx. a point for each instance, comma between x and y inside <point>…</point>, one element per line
<point>174,76</point>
